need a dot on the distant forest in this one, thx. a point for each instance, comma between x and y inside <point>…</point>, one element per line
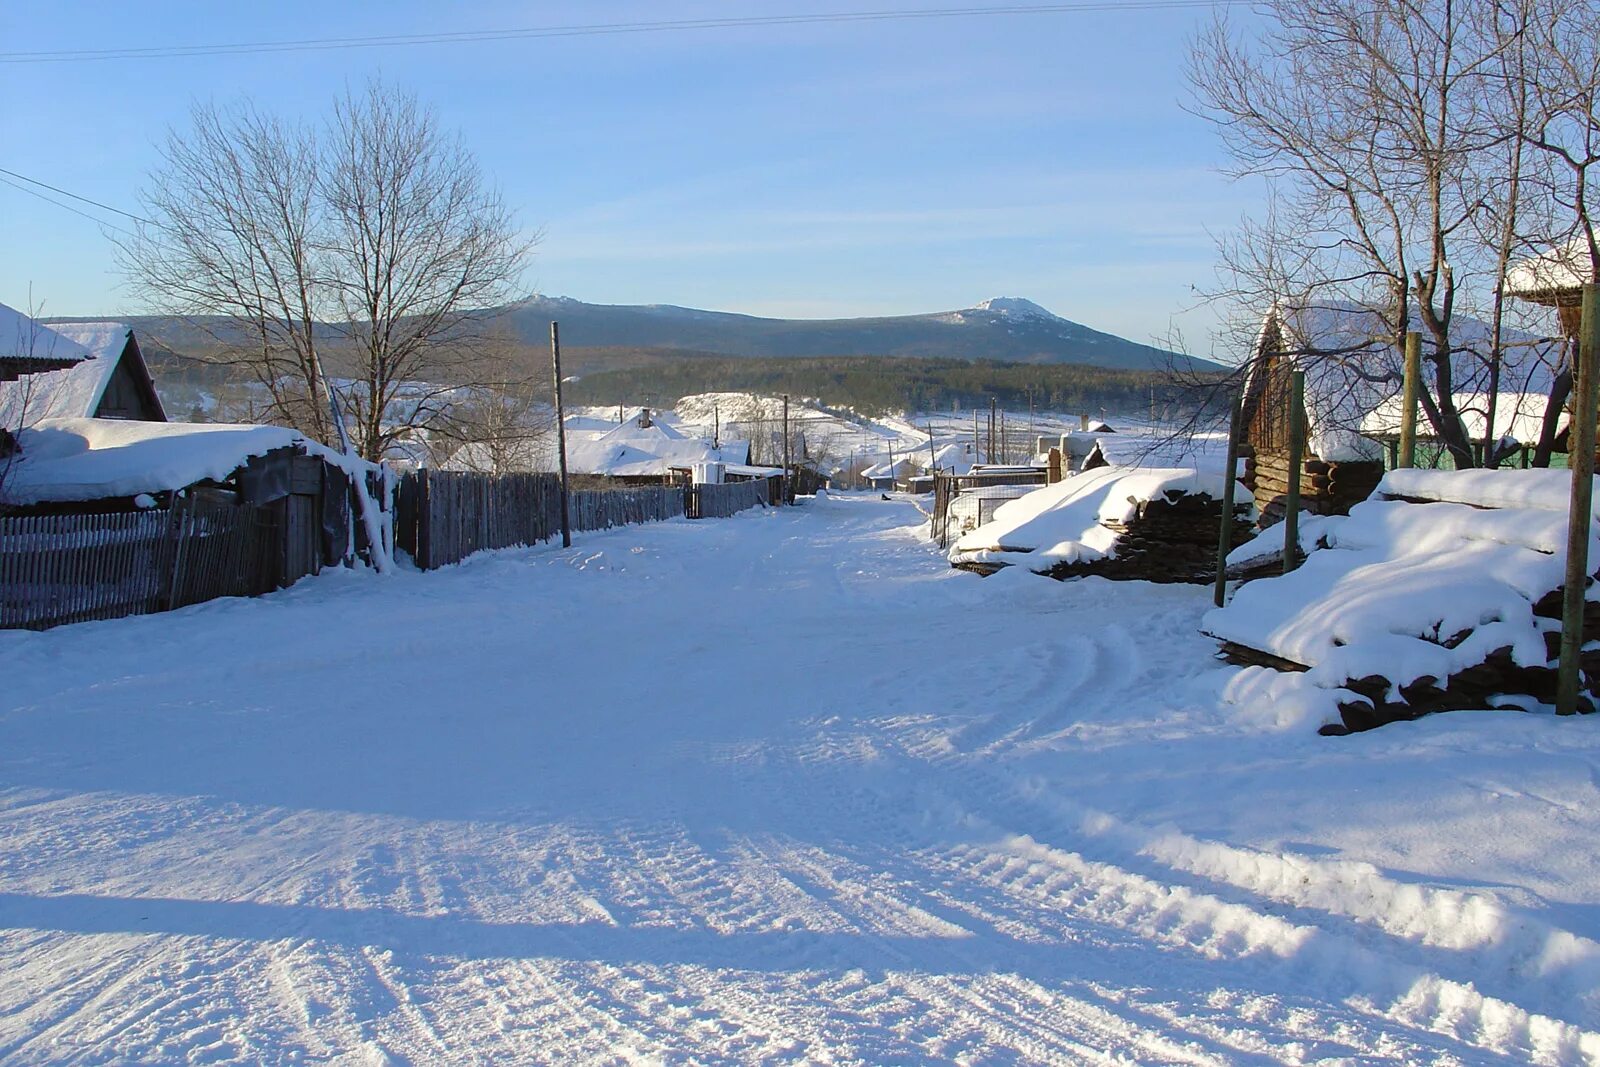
<point>876,385</point>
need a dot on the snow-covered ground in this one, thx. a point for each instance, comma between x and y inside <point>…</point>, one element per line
<point>780,788</point>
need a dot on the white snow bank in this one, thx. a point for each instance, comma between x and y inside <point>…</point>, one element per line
<point>1070,521</point>
<point>93,459</point>
<point>1547,490</point>
<point>1405,591</point>
<point>1268,544</point>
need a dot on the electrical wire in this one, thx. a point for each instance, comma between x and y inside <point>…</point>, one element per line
<point>75,196</point>
<point>316,44</point>
<point>66,207</point>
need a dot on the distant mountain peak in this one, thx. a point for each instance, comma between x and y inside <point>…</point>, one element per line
<point>1016,306</point>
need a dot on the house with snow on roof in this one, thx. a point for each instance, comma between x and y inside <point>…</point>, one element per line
<point>1353,372</point>
<point>109,380</point>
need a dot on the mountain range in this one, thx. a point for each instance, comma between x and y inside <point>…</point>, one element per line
<point>1005,329</point>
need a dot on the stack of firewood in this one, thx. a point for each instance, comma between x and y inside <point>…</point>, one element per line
<point>1474,687</point>
<point>1171,539</point>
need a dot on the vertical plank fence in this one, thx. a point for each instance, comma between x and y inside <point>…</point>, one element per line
<point>57,569</point>
<point>728,499</point>
<point>442,517</point>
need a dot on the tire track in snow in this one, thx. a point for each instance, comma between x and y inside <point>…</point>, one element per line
<point>1464,938</point>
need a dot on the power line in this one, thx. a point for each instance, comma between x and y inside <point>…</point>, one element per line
<point>321,44</point>
<point>75,196</point>
<point>66,207</point>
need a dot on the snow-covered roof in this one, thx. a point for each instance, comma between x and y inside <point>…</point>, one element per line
<point>25,338</point>
<point>630,432</point>
<point>1402,591</point>
<point>1069,522</point>
<point>1559,270</point>
<point>954,458</point>
<point>96,459</point>
<point>631,457</point>
<point>888,470</point>
<point>72,392</point>
<point>1518,417</point>
<point>745,470</point>
<point>1352,367</point>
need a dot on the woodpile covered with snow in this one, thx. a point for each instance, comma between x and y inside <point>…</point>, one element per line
<point>1440,592</point>
<point>1156,524</point>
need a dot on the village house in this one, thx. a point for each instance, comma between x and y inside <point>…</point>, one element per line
<point>1353,373</point>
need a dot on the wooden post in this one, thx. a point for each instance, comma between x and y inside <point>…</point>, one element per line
<point>1297,459</point>
<point>1580,458</point>
<point>994,419</point>
<point>931,458</point>
<point>1225,535</point>
<point>1408,401</point>
<point>561,434</point>
<point>788,494</point>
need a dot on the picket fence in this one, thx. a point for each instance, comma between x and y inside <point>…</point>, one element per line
<point>57,569</point>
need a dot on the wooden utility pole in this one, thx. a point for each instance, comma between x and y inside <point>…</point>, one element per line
<point>1225,534</point>
<point>1408,402</point>
<point>716,426</point>
<point>561,433</point>
<point>994,419</point>
<point>1297,460</point>
<point>1580,458</point>
<point>931,458</point>
<point>788,494</point>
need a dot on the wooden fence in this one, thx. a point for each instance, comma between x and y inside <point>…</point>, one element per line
<point>601,509</point>
<point>442,517</point>
<point>57,569</point>
<point>728,499</point>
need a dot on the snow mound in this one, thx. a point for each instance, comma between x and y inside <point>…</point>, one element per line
<point>1405,592</point>
<point>1078,520</point>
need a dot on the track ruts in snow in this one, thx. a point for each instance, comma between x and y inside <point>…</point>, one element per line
<point>731,791</point>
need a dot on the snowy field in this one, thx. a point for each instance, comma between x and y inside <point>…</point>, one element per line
<point>783,788</point>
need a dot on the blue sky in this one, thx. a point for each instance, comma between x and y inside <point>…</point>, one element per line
<point>817,170</point>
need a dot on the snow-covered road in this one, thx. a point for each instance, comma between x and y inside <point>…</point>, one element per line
<point>781,788</point>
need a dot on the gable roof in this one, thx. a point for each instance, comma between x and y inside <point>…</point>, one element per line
<point>75,392</point>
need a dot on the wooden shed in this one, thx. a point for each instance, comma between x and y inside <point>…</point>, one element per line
<point>298,490</point>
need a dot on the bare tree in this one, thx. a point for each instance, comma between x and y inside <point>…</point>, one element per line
<point>505,421</point>
<point>372,243</point>
<point>417,244</point>
<point>233,245</point>
<point>1376,122</point>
